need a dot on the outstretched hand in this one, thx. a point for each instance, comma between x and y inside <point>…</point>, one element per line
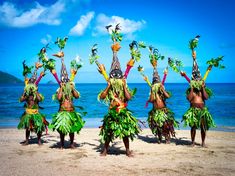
<point>42,73</point>
<point>38,65</point>
<point>182,73</point>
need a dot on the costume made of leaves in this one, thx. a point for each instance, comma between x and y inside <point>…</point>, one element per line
<point>162,120</point>
<point>199,117</point>
<point>34,122</point>
<point>65,121</point>
<point>119,122</point>
<point>119,125</point>
<point>196,117</point>
<point>32,119</point>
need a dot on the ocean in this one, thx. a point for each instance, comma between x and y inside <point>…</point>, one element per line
<point>221,105</point>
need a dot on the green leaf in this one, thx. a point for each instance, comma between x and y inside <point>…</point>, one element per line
<point>193,44</point>
<point>141,44</point>
<point>175,64</point>
<point>221,67</point>
<point>75,65</point>
<point>216,62</point>
<point>133,92</point>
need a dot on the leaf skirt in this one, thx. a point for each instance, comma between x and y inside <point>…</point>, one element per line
<point>119,125</point>
<point>34,122</point>
<point>162,121</point>
<point>196,117</point>
<point>67,122</point>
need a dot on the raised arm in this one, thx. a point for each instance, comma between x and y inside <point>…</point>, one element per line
<point>39,78</point>
<point>126,92</point>
<point>75,92</point>
<point>60,93</point>
<point>151,98</point>
<point>190,95</point>
<point>38,96</point>
<point>22,98</point>
<point>204,94</point>
<point>105,92</point>
<point>164,91</point>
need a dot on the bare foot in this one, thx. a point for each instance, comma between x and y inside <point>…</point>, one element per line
<point>25,143</point>
<point>104,153</point>
<point>129,153</point>
<point>39,142</point>
<point>204,145</point>
<point>159,141</point>
<point>61,147</point>
<point>72,146</point>
<point>193,144</point>
<point>168,141</point>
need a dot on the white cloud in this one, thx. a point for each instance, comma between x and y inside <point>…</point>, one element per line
<point>128,27</point>
<point>46,40</point>
<point>11,16</point>
<point>82,24</point>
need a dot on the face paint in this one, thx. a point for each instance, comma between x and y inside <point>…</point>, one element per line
<point>155,80</point>
<point>116,73</point>
<point>32,80</point>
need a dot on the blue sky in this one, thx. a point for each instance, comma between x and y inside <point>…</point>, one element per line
<point>166,24</point>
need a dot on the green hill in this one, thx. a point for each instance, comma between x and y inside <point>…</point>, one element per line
<point>7,78</point>
<point>51,82</point>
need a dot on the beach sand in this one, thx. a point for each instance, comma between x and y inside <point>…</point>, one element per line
<point>151,158</point>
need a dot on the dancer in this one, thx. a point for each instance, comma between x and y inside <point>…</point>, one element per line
<point>67,120</point>
<point>198,116</point>
<point>32,120</point>
<point>160,119</point>
<point>119,122</point>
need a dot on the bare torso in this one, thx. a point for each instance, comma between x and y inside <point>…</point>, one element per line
<point>66,105</point>
<point>117,102</point>
<point>158,99</point>
<point>197,100</point>
<point>31,101</point>
<point>158,103</point>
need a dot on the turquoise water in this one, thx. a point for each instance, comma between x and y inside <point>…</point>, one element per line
<point>221,105</point>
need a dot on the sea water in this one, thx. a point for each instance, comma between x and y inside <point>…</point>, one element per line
<point>221,105</point>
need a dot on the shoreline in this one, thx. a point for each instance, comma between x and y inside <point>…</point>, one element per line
<point>150,158</point>
<point>219,128</point>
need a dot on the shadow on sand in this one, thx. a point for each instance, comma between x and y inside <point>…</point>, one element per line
<point>177,141</point>
<point>34,140</point>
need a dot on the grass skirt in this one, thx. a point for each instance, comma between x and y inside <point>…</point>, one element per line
<point>118,125</point>
<point>33,122</point>
<point>199,118</point>
<point>162,121</point>
<point>67,122</point>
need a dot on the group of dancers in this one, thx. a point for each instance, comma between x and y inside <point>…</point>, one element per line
<point>119,122</point>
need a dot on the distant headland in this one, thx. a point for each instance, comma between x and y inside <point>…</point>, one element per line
<point>8,78</point>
